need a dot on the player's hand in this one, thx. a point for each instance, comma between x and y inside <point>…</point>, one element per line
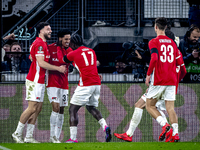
<point>98,63</point>
<point>30,58</point>
<point>101,77</point>
<point>147,80</point>
<point>62,69</point>
<point>195,53</point>
<point>10,36</point>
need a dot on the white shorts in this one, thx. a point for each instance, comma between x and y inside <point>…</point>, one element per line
<point>34,91</point>
<point>162,92</point>
<point>160,104</point>
<point>87,95</point>
<point>58,95</point>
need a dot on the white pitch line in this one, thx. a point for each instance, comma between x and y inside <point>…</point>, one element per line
<point>4,148</point>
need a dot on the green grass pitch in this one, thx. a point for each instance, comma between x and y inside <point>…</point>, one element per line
<point>104,146</point>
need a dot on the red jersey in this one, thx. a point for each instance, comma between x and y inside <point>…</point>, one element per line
<point>164,59</point>
<point>37,73</point>
<point>85,61</point>
<point>180,70</point>
<point>55,78</point>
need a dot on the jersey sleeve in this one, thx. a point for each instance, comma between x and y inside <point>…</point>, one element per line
<point>183,71</point>
<point>39,49</point>
<point>154,57</point>
<point>152,44</point>
<point>70,56</point>
<point>69,50</point>
<point>179,58</point>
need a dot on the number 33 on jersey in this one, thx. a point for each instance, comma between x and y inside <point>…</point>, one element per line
<point>164,59</point>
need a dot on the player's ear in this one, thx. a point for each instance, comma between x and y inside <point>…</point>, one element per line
<point>60,39</point>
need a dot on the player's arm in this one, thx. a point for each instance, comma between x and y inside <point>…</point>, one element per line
<point>182,72</point>
<point>181,65</point>
<point>60,54</point>
<point>45,65</point>
<point>69,57</point>
<point>152,64</point>
<point>153,61</point>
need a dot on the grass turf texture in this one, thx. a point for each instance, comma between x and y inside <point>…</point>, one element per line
<point>104,146</point>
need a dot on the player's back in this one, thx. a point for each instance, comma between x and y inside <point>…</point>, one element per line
<point>165,69</point>
<point>85,61</point>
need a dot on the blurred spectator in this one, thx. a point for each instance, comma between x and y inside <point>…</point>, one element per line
<point>190,47</point>
<point>194,12</point>
<point>16,62</point>
<point>137,55</point>
<point>121,67</point>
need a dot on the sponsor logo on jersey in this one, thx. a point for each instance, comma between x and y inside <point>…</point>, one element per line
<point>54,52</point>
<point>48,56</point>
<point>54,59</point>
<point>38,98</point>
<point>40,48</point>
<point>54,97</point>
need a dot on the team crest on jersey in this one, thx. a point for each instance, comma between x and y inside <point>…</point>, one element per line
<point>40,48</point>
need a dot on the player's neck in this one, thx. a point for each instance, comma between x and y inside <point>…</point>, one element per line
<point>42,37</point>
<point>160,32</point>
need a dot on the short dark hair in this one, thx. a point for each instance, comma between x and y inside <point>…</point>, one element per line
<point>15,43</point>
<point>62,32</point>
<point>161,23</point>
<point>76,39</point>
<point>192,28</point>
<point>41,25</point>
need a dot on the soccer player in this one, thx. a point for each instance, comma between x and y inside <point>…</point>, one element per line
<point>57,83</point>
<point>165,57</point>
<point>141,104</point>
<point>35,86</point>
<point>88,90</point>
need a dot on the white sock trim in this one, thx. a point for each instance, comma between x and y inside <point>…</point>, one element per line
<point>135,120</point>
<point>20,128</point>
<point>161,120</point>
<point>29,131</point>
<point>103,123</point>
<point>53,119</point>
<point>175,128</point>
<point>163,115</point>
<point>59,124</point>
<point>73,132</point>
